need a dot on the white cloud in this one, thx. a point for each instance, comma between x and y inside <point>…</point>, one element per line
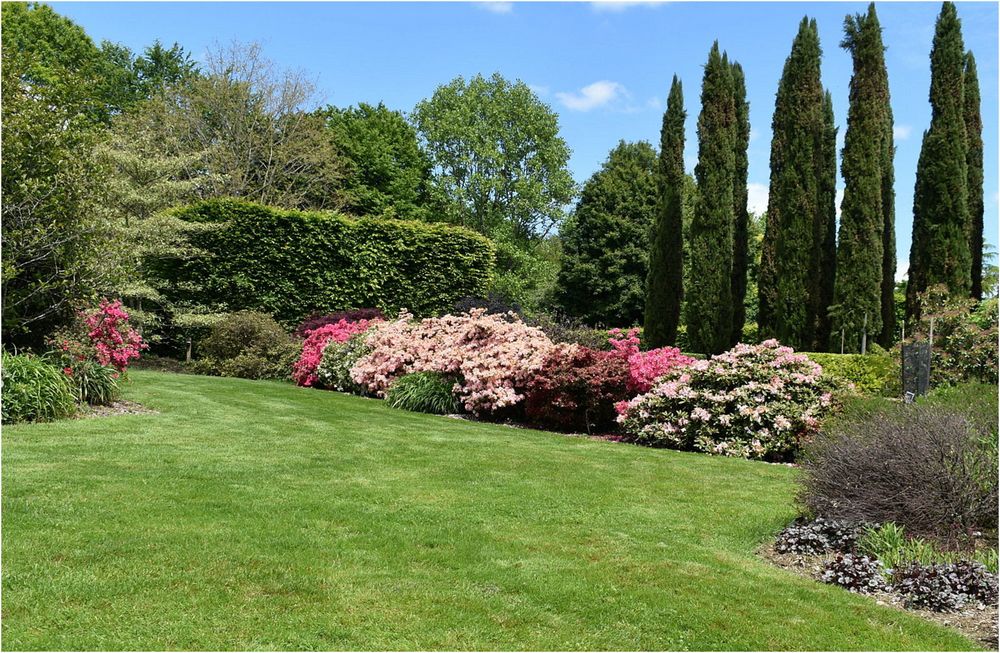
<point>902,269</point>
<point>618,6</point>
<point>539,90</point>
<point>653,103</point>
<point>754,134</point>
<point>497,7</point>
<point>839,200</point>
<point>756,198</point>
<point>901,132</point>
<point>592,96</point>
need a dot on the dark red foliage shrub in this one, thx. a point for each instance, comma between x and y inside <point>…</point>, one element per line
<point>931,470</point>
<point>317,320</point>
<point>576,389</point>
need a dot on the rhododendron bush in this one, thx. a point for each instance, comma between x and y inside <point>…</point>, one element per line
<point>754,401</point>
<point>492,358</point>
<point>304,370</point>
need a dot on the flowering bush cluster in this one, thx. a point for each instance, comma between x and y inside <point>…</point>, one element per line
<point>754,401</point>
<point>492,358</point>
<point>304,370</point>
<point>645,367</point>
<point>576,388</point>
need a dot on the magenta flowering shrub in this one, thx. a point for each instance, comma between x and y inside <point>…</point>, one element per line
<point>304,369</point>
<point>492,356</point>
<point>317,320</point>
<point>753,401</point>
<point>115,343</point>
<point>644,367</point>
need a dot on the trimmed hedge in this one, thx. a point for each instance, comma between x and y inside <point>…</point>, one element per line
<point>873,374</point>
<point>293,263</point>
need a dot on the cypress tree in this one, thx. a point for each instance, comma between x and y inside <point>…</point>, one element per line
<point>974,160</point>
<point>740,217</point>
<point>665,281</point>
<point>939,252</point>
<point>826,228</point>
<point>858,293</point>
<point>887,335</point>
<point>709,310</point>
<point>785,291</point>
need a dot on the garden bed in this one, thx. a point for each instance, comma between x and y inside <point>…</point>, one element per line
<point>977,622</point>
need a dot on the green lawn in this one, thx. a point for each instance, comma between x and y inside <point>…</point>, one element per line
<point>253,515</point>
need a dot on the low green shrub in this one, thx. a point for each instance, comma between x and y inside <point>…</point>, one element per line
<point>965,337</point>
<point>34,390</point>
<point>334,371</point>
<point>423,392</point>
<point>248,345</point>
<point>872,374</point>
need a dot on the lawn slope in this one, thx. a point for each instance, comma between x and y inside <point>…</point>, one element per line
<point>254,515</point>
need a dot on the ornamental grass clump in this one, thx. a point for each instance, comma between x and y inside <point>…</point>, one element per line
<point>754,401</point>
<point>423,392</point>
<point>493,357</point>
<point>34,390</point>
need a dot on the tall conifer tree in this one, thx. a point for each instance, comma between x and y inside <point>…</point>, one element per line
<point>974,160</point>
<point>858,294</point>
<point>709,309</point>
<point>887,335</point>
<point>939,251</point>
<point>665,282</point>
<point>740,217</point>
<point>786,287</point>
<point>826,227</point>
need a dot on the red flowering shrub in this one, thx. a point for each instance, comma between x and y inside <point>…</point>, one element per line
<point>317,320</point>
<point>304,370</point>
<point>576,389</point>
<point>645,367</point>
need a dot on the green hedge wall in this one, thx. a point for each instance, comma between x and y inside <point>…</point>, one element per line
<point>872,374</point>
<point>290,263</point>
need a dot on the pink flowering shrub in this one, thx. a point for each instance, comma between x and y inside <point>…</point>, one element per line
<point>492,358</point>
<point>753,401</point>
<point>644,367</point>
<point>115,343</point>
<point>304,369</point>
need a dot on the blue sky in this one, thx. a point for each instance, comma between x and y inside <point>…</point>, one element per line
<point>605,68</point>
